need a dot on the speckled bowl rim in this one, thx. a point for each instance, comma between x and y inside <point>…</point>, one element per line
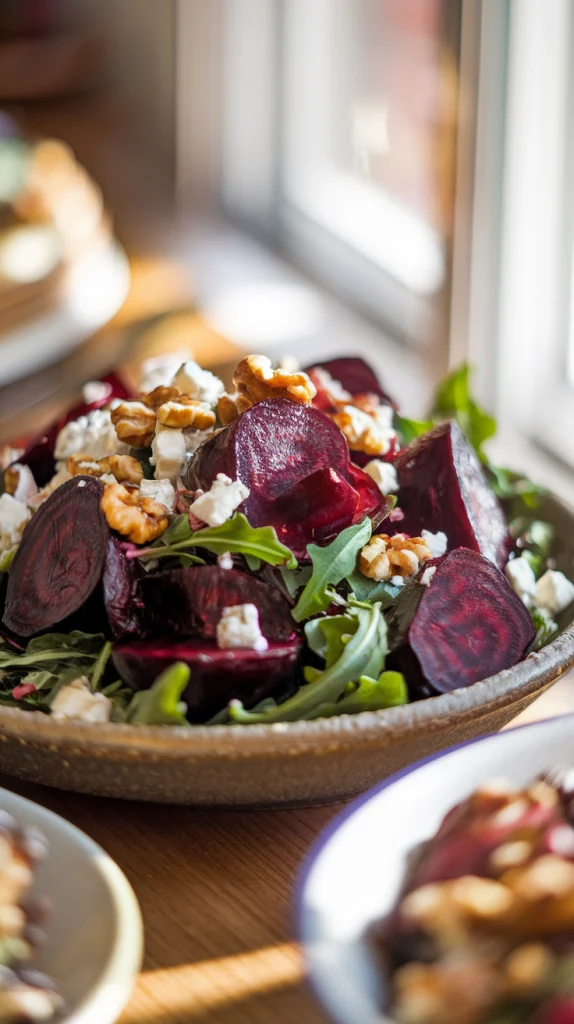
<point>204,742</point>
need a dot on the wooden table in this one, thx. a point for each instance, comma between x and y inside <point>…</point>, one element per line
<point>216,891</point>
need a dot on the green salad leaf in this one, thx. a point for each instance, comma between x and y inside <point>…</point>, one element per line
<point>162,703</point>
<point>357,641</point>
<point>545,626</point>
<point>6,559</point>
<point>295,579</point>
<point>331,564</point>
<point>53,647</point>
<point>366,589</point>
<point>454,401</point>
<point>388,691</point>
<point>409,430</point>
<point>235,535</point>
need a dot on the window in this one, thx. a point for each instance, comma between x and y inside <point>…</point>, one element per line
<point>341,139</point>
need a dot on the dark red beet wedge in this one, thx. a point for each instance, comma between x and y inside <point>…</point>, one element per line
<point>216,676</point>
<point>189,602</point>
<point>354,374</point>
<point>468,625</point>
<point>60,559</point>
<point>295,461</point>
<point>442,486</point>
<point>121,593</point>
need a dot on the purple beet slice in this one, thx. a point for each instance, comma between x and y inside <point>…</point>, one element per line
<point>273,448</point>
<point>356,376</point>
<point>468,625</point>
<point>216,676</point>
<point>121,591</point>
<point>442,486</point>
<point>60,559</point>
<point>189,602</point>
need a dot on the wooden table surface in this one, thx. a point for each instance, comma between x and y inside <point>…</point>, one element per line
<point>216,890</point>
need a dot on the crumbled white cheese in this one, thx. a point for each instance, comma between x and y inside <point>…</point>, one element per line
<point>95,391</point>
<point>195,438</point>
<point>554,591</point>
<point>224,560</point>
<point>437,543</point>
<point>398,581</point>
<point>14,515</point>
<point>239,627</point>
<point>198,383</point>
<point>77,700</point>
<point>384,474</point>
<point>378,426</point>
<point>169,455</point>
<point>27,486</point>
<point>161,491</point>
<point>520,575</point>
<point>93,435</point>
<point>427,576</point>
<point>160,370</point>
<point>219,503</point>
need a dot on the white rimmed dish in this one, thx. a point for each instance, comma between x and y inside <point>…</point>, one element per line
<point>354,873</point>
<point>94,934</point>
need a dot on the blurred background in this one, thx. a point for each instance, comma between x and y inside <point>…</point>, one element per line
<point>383,177</point>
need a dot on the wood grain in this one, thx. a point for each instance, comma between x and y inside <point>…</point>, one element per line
<point>216,889</point>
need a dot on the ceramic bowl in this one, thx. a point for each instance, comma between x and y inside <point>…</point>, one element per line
<point>299,763</point>
<point>94,934</point>
<point>354,874</point>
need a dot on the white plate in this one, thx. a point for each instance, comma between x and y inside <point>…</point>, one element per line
<point>95,935</point>
<point>353,875</point>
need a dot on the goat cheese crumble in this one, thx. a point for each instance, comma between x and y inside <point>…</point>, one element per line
<point>219,503</point>
<point>554,592</point>
<point>384,474</point>
<point>437,543</point>
<point>520,575</point>
<point>93,435</point>
<point>200,384</point>
<point>239,627</point>
<point>161,490</point>
<point>168,453</point>
<point>77,700</point>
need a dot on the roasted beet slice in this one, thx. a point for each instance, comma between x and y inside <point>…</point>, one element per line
<point>189,602</point>
<point>121,593</point>
<point>356,376</point>
<point>276,448</point>
<point>442,486</point>
<point>60,559</point>
<point>468,625</point>
<point>39,454</point>
<point>216,676</point>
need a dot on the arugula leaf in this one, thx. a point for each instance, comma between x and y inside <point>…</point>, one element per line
<point>235,535</point>
<point>161,704</point>
<point>409,430</point>
<point>536,562</point>
<point>53,647</point>
<point>546,628</point>
<point>294,579</point>
<point>363,654</point>
<point>253,563</point>
<point>328,637</point>
<point>6,559</point>
<point>508,485</point>
<point>366,589</point>
<point>533,534</point>
<point>388,691</point>
<point>100,666</point>
<point>453,400</point>
<point>331,564</point>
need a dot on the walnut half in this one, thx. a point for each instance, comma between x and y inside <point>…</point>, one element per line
<point>255,380</point>
<point>139,519</point>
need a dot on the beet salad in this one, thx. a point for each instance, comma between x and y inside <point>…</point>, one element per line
<point>291,549</point>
